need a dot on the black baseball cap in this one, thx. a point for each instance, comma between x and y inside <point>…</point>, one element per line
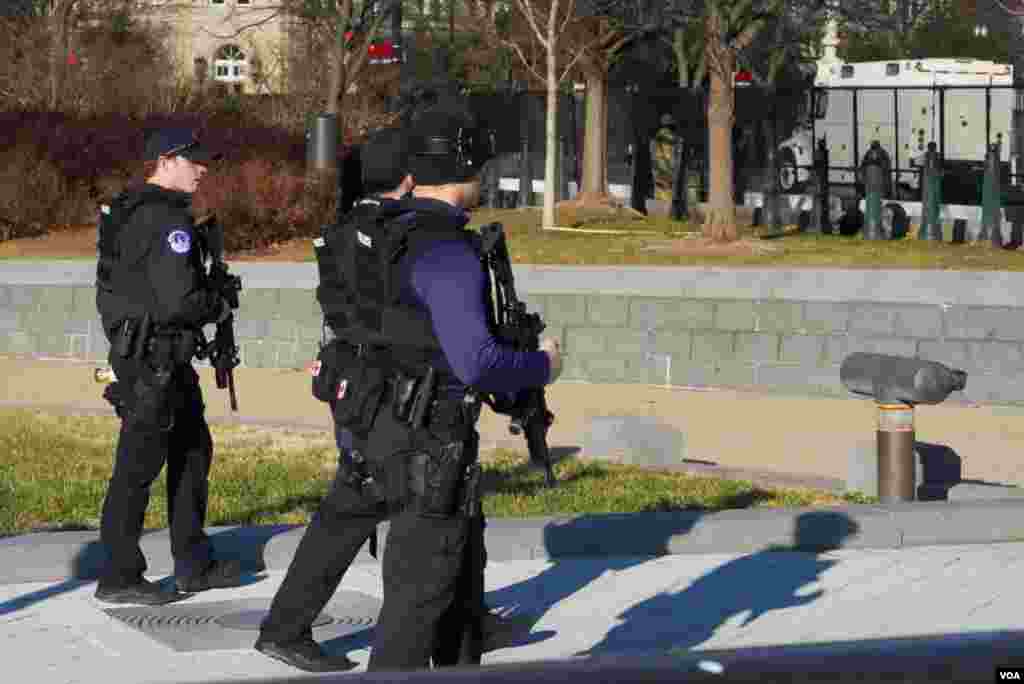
<point>178,142</point>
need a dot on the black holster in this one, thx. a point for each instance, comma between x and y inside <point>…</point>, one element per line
<point>436,481</point>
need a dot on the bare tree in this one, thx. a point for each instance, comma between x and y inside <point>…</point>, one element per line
<point>547,21</point>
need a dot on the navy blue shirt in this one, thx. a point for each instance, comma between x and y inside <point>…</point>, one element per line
<point>449,281</point>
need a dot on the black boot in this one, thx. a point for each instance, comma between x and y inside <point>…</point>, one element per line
<point>304,654</point>
<point>219,574</point>
<point>142,592</point>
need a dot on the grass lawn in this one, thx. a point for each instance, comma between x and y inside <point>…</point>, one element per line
<point>529,244</point>
<point>634,238</point>
<point>54,470</point>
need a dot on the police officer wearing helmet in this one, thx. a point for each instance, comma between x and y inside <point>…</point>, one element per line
<point>406,300</point>
<point>153,299</point>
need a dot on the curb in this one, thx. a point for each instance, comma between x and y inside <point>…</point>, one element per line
<point>62,556</point>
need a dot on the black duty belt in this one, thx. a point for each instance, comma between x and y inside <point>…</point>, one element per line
<point>140,338</point>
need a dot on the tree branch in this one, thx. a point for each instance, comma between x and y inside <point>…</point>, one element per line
<point>255,24</point>
<point>522,57</point>
<point>526,10</point>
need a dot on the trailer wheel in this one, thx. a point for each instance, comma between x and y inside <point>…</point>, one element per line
<point>789,178</point>
<point>894,221</point>
<point>851,222</point>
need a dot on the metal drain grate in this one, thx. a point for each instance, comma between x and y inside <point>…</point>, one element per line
<point>228,625</point>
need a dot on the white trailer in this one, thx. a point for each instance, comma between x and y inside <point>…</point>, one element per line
<point>962,105</point>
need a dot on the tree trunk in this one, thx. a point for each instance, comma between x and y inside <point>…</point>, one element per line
<point>720,221</point>
<point>551,141</point>
<point>336,77</point>
<point>595,137</point>
<point>58,49</point>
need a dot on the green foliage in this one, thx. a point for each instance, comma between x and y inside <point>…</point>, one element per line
<point>945,32</point>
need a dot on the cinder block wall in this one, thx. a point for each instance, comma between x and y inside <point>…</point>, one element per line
<point>779,330</point>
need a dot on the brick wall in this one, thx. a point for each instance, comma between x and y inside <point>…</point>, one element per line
<point>780,330</point>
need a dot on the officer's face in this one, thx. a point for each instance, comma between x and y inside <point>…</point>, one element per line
<point>184,175</point>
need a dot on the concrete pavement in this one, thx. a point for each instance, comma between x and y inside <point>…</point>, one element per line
<point>55,632</point>
<point>857,577</point>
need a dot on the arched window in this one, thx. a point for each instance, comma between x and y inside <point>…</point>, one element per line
<point>229,64</point>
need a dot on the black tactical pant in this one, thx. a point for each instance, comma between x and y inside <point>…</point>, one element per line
<point>142,451</point>
<point>422,559</point>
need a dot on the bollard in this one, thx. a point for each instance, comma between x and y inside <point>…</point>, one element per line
<point>322,143</point>
<point>873,174</point>
<point>493,176</point>
<point>959,231</point>
<point>991,200</point>
<point>931,196</point>
<point>680,208</point>
<point>563,168</point>
<point>897,384</point>
<point>821,222</point>
<point>770,200</point>
<point>895,443</point>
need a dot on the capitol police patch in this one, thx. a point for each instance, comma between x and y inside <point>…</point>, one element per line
<point>179,241</point>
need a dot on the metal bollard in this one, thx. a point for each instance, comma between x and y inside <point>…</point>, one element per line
<point>322,143</point>
<point>873,174</point>
<point>931,196</point>
<point>895,442</point>
<point>821,222</point>
<point>991,200</point>
<point>563,168</point>
<point>493,176</point>
<point>680,206</point>
<point>524,172</point>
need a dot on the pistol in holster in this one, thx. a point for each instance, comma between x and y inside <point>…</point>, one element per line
<point>413,396</point>
<point>132,336</point>
<point>360,477</point>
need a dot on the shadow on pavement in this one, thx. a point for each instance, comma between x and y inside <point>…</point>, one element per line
<point>744,589</point>
<point>749,586</point>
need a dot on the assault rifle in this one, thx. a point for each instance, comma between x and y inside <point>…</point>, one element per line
<point>222,351</point>
<point>528,408</point>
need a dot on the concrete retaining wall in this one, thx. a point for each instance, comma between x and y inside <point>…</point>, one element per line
<point>784,330</point>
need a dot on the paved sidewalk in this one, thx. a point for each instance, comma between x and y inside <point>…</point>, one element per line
<point>56,633</point>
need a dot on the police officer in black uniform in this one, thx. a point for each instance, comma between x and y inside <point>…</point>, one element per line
<point>406,299</point>
<point>153,298</point>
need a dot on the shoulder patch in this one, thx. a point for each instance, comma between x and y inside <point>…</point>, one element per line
<point>179,241</point>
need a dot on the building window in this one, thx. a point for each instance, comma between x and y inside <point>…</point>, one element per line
<point>216,2</point>
<point>243,2</point>
<point>892,69</point>
<point>847,71</point>
<point>229,64</point>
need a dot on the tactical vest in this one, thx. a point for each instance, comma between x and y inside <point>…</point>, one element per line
<point>132,281</point>
<point>360,283</point>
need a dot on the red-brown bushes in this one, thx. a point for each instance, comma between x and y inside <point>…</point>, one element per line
<point>259,203</point>
<point>55,169</point>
